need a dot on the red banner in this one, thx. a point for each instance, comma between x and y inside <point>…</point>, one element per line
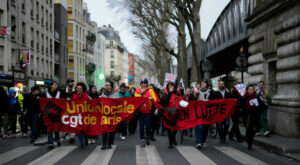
<point>98,116</point>
<point>91,117</point>
<point>197,113</point>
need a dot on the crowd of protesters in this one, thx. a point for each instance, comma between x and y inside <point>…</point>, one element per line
<point>251,111</point>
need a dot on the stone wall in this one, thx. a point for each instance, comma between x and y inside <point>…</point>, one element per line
<point>276,39</point>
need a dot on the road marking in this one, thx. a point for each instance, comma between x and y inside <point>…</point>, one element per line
<point>53,156</point>
<point>194,156</point>
<point>239,156</point>
<point>15,153</point>
<point>99,156</point>
<point>147,156</point>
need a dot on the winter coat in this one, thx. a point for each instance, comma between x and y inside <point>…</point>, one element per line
<point>215,95</point>
<point>125,94</point>
<point>78,96</point>
<point>32,104</point>
<point>14,106</point>
<point>146,108</point>
<point>93,95</point>
<point>4,101</point>
<point>110,94</point>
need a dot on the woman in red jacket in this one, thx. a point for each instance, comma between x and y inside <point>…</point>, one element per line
<point>170,101</point>
<point>252,106</point>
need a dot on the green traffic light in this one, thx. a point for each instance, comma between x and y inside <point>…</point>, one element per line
<point>101,76</point>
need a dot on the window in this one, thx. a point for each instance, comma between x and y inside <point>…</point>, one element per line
<point>69,12</point>
<point>32,8</point>
<point>112,64</point>
<point>42,16</point>
<point>37,40</point>
<point>70,29</point>
<point>23,5</point>
<point>32,38</point>
<point>37,12</point>
<point>47,19</point>
<point>70,46</point>
<point>1,17</point>
<point>23,33</point>
<point>13,27</point>
<point>1,57</point>
<point>112,74</point>
<point>111,43</point>
<point>51,22</point>
<point>112,54</point>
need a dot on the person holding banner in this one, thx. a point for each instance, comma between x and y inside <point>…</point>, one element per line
<point>169,101</point>
<point>123,93</point>
<point>219,94</point>
<point>202,93</point>
<point>52,118</point>
<point>108,138</point>
<point>144,114</point>
<point>81,94</point>
<point>93,95</point>
<point>252,107</point>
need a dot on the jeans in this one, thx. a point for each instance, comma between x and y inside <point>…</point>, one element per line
<point>144,121</point>
<point>23,121</point>
<point>123,128</point>
<point>223,128</point>
<point>201,133</point>
<point>108,138</point>
<point>81,138</point>
<point>10,121</point>
<point>50,137</point>
<point>33,125</point>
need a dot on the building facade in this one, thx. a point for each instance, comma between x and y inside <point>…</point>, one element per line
<point>99,61</point>
<point>31,26</point>
<point>114,52</point>
<point>90,28</point>
<point>76,39</point>
<point>274,58</point>
<point>60,43</point>
<point>3,45</point>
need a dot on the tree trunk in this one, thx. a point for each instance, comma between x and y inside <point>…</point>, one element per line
<point>197,41</point>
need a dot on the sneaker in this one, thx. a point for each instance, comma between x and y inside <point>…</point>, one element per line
<point>257,134</point>
<point>267,133</point>
<point>89,141</point>
<point>204,145</point>
<point>231,138</point>
<point>148,141</point>
<point>123,138</point>
<point>93,141</point>
<point>199,146</point>
<point>24,134</point>
<point>175,142</point>
<point>170,146</point>
<point>4,137</point>
<point>109,146</point>
<point>32,140</point>
<point>50,146</point>
<point>72,141</point>
<point>58,144</point>
<point>82,146</point>
<point>143,144</point>
<point>103,147</point>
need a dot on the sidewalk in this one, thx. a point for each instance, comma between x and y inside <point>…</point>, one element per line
<point>289,147</point>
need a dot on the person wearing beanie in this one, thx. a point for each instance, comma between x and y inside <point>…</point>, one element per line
<point>144,114</point>
<point>123,93</point>
<point>10,119</point>
<point>108,138</point>
<point>34,112</point>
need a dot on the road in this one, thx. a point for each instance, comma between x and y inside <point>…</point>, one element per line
<point>128,152</point>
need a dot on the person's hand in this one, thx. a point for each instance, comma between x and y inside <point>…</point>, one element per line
<point>38,97</point>
<point>156,112</point>
<point>150,98</point>
<point>205,100</point>
<point>40,115</point>
<point>68,99</point>
<point>240,120</point>
<point>24,113</point>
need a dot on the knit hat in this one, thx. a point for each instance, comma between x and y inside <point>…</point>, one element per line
<point>35,88</point>
<point>111,84</point>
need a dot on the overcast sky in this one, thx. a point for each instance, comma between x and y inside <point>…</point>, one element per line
<point>102,13</point>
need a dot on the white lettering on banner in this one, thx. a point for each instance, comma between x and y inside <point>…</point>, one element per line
<point>73,120</point>
<point>241,88</point>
